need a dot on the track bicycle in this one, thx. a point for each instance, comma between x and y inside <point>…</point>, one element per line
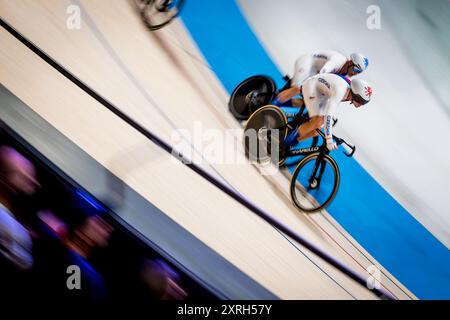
<point>315,179</point>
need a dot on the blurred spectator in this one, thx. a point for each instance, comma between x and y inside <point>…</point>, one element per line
<point>161,281</point>
<point>55,225</point>
<point>37,246</point>
<point>17,177</point>
<point>94,232</point>
<point>75,248</point>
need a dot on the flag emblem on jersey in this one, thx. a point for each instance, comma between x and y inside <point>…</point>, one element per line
<point>368,91</point>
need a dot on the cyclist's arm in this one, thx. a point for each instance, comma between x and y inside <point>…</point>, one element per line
<point>302,69</point>
<point>328,117</point>
<point>332,66</point>
<point>287,94</point>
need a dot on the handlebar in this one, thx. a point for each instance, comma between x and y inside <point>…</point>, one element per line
<point>349,149</point>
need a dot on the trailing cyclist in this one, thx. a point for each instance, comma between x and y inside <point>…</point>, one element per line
<point>309,65</point>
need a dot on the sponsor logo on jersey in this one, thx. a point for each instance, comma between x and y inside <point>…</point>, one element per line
<point>324,82</point>
<point>328,125</point>
<point>321,56</point>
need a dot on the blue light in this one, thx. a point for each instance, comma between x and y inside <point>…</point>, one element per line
<point>86,197</point>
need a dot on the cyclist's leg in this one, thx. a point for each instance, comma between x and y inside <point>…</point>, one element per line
<point>305,131</point>
<point>313,105</point>
<point>308,129</point>
<point>287,103</point>
<point>303,69</point>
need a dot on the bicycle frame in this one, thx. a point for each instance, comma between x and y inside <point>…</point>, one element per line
<point>310,150</point>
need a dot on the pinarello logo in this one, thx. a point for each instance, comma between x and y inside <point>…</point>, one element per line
<point>368,91</point>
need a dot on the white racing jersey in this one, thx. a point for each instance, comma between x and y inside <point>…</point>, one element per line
<point>309,65</point>
<point>322,94</point>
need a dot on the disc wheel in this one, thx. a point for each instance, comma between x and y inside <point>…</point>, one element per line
<point>250,95</point>
<point>261,134</point>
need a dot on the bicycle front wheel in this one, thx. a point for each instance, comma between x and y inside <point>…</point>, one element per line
<point>315,182</point>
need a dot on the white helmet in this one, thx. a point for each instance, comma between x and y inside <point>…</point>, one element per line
<point>360,61</point>
<point>361,91</point>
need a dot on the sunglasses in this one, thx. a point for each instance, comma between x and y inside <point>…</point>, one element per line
<point>358,99</point>
<point>356,69</point>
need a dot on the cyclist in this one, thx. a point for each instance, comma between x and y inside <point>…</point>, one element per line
<point>323,62</point>
<point>321,95</point>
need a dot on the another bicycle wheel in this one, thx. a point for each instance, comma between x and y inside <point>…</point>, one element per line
<point>250,95</point>
<point>261,134</point>
<point>315,182</point>
<point>157,13</point>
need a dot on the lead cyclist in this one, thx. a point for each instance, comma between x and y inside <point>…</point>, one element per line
<point>322,94</point>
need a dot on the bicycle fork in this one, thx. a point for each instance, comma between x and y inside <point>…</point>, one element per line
<point>314,182</point>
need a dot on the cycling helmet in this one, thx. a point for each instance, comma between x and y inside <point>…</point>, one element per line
<point>361,91</point>
<point>360,62</point>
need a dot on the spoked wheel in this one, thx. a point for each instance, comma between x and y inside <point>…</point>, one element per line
<point>262,137</point>
<point>157,13</point>
<point>315,182</point>
<point>250,95</point>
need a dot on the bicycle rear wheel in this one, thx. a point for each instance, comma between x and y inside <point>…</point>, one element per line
<point>262,136</point>
<point>315,182</point>
<point>250,95</point>
<point>158,13</point>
